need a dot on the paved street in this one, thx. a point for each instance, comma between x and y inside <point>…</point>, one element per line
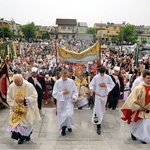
<point>115,133</point>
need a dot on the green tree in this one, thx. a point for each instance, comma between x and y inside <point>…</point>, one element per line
<point>5,31</point>
<point>45,35</point>
<point>128,33</point>
<point>91,30</point>
<point>29,30</point>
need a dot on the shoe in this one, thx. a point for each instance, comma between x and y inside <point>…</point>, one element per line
<point>63,133</point>
<point>80,108</point>
<point>28,139</point>
<point>133,137</point>
<point>69,130</point>
<point>98,131</point>
<point>109,107</point>
<point>20,141</point>
<point>143,142</point>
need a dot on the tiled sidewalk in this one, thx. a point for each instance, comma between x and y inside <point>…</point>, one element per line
<point>115,133</point>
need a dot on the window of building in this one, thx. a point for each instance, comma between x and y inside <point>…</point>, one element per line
<point>69,27</point>
<point>63,27</point>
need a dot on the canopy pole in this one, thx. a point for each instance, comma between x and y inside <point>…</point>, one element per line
<point>100,51</point>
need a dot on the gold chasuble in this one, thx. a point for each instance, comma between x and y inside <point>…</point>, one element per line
<point>19,110</point>
<point>82,90</point>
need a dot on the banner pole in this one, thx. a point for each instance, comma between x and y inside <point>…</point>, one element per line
<point>100,41</point>
<point>100,51</point>
<point>3,62</point>
<point>56,54</point>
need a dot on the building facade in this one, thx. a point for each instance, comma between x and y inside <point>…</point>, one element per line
<point>67,28</point>
<point>143,33</point>
<point>108,32</point>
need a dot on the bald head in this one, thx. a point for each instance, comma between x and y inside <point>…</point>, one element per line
<point>18,80</point>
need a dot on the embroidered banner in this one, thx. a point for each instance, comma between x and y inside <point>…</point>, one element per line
<point>4,83</point>
<point>90,54</point>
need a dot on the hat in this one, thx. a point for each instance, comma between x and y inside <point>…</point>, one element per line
<point>46,75</point>
<point>34,69</point>
<point>140,60</point>
<point>116,68</point>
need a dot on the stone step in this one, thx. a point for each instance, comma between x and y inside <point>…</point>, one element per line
<point>115,133</point>
<point>74,145</point>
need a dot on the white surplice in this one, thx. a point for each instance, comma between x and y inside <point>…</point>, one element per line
<point>126,91</point>
<point>141,130</point>
<point>64,102</point>
<point>101,94</point>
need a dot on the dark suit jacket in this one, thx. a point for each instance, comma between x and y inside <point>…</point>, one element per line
<point>41,80</point>
<point>116,88</point>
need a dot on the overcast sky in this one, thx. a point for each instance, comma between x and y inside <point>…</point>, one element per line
<point>45,12</point>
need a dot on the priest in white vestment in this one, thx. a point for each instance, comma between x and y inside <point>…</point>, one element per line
<point>136,110</point>
<point>65,92</point>
<point>101,84</point>
<point>22,99</point>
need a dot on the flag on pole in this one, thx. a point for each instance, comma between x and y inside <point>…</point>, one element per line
<point>90,54</point>
<point>4,83</point>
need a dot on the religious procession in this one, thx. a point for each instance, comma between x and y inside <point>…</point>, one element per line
<point>36,75</point>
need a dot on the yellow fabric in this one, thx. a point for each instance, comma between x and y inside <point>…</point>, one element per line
<point>88,79</point>
<point>93,50</point>
<point>54,79</point>
<point>134,102</point>
<point>82,91</point>
<point>20,109</point>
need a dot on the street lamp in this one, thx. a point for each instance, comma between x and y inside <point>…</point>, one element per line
<point>2,19</point>
<point>123,23</point>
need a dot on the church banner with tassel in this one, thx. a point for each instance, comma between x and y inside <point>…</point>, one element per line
<point>90,54</point>
<point>4,83</point>
<point>8,49</point>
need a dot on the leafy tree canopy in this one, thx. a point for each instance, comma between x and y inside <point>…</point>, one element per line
<point>91,31</point>
<point>29,30</point>
<point>5,29</point>
<point>128,33</point>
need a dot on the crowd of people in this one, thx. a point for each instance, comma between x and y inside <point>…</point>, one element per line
<point>98,86</point>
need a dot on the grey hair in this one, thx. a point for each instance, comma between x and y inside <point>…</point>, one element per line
<point>17,76</point>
